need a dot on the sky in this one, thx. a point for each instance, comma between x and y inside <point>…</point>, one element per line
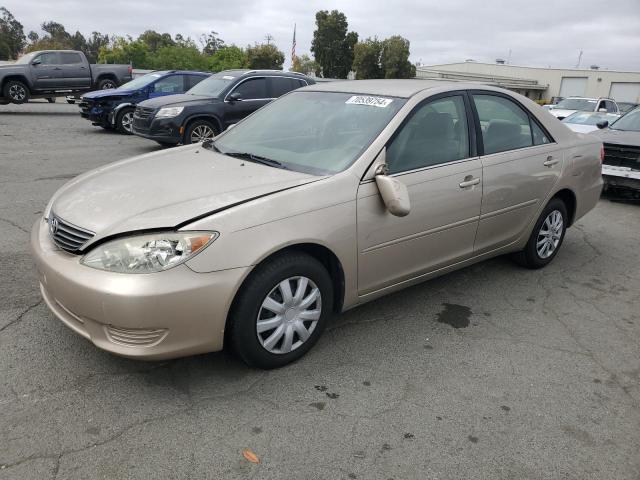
<point>542,33</point>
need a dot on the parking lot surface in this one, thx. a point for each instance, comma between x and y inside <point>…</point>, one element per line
<point>490,372</point>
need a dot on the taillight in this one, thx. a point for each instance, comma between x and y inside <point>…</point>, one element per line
<point>601,153</point>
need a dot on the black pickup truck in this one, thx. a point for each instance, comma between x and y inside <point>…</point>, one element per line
<point>50,73</point>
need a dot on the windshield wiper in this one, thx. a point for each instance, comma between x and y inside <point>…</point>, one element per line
<point>256,158</point>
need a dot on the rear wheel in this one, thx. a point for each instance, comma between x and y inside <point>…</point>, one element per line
<point>51,99</point>
<point>199,131</point>
<point>124,120</point>
<point>106,84</point>
<point>547,236</point>
<point>281,310</point>
<point>16,92</point>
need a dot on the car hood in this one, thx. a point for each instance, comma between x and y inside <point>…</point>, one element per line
<point>561,112</point>
<point>619,137</point>
<point>580,128</point>
<point>181,99</point>
<point>166,189</point>
<point>111,92</point>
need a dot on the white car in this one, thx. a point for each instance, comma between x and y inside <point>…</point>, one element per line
<point>571,105</point>
<point>585,122</point>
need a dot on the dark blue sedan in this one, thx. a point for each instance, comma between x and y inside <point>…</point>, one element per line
<point>113,108</point>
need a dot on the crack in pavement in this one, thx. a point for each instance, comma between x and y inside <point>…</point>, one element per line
<point>20,316</point>
<point>13,224</point>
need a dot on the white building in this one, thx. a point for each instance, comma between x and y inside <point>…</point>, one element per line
<point>542,83</point>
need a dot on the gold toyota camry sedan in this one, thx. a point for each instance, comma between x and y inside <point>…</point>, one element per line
<point>329,197</point>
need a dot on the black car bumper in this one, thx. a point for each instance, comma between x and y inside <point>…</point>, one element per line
<point>164,130</point>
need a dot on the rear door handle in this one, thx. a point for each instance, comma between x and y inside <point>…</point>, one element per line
<point>469,182</point>
<point>550,162</point>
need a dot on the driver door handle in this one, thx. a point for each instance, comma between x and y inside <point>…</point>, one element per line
<point>469,181</point>
<point>550,162</point>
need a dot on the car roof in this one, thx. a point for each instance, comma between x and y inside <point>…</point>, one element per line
<point>264,72</point>
<point>392,88</point>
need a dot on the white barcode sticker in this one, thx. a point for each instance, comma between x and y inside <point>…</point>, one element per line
<point>371,101</point>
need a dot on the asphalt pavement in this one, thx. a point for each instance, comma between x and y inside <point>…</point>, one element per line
<point>492,372</point>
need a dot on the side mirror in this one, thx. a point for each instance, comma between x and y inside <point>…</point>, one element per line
<point>602,124</point>
<point>602,110</point>
<point>394,193</point>
<point>36,62</point>
<point>235,97</point>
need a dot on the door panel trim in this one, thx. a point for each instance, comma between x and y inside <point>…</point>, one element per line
<point>425,233</point>
<point>508,209</point>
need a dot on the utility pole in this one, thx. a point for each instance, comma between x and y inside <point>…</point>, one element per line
<point>268,37</point>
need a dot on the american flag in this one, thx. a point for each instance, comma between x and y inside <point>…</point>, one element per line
<point>293,45</point>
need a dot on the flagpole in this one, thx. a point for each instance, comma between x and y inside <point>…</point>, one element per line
<point>293,47</point>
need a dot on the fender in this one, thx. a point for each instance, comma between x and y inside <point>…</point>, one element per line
<point>114,114</point>
<point>195,116</point>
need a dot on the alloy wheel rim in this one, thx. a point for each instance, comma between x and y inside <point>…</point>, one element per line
<point>17,92</point>
<point>108,85</point>
<point>550,234</point>
<point>288,315</point>
<point>201,133</point>
<point>127,120</point>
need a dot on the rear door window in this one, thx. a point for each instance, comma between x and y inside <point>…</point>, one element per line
<point>70,58</point>
<point>505,125</point>
<point>282,85</point>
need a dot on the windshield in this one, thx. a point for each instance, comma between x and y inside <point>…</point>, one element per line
<point>314,132</point>
<point>212,86</point>
<point>582,104</point>
<point>141,82</point>
<point>26,58</point>
<point>584,118</point>
<point>629,122</point>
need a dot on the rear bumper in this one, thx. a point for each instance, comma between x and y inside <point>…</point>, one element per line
<point>155,316</point>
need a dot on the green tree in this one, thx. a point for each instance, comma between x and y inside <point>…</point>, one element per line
<point>126,50</point>
<point>304,64</point>
<point>95,42</point>
<point>56,38</point>
<point>211,43</point>
<point>332,45</point>
<point>367,61</point>
<point>12,38</point>
<point>264,56</point>
<point>227,58</point>
<point>180,56</point>
<point>155,41</point>
<point>395,58</point>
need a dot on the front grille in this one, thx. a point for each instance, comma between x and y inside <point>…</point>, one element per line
<point>135,337</point>
<point>143,112</point>
<point>66,235</point>
<point>622,156</point>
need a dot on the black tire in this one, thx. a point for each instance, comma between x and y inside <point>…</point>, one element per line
<point>106,83</point>
<point>51,99</point>
<point>194,126</point>
<point>70,102</point>
<point>242,322</point>
<point>16,92</point>
<point>530,257</point>
<point>124,120</point>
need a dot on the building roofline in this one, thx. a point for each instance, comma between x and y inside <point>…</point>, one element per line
<point>434,66</point>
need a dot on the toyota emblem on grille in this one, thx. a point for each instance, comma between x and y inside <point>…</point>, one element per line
<point>53,225</point>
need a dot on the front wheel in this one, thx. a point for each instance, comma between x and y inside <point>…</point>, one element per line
<point>124,120</point>
<point>16,92</point>
<point>547,236</point>
<point>281,310</point>
<point>199,131</point>
<point>51,99</point>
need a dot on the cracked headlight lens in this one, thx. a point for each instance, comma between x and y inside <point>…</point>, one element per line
<point>147,253</point>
